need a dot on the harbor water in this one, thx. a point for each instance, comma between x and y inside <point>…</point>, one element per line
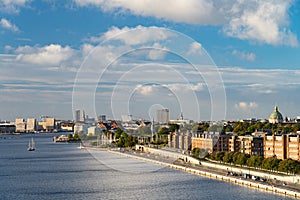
<point>63,171</point>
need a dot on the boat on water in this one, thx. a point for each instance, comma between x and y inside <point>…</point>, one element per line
<point>31,145</point>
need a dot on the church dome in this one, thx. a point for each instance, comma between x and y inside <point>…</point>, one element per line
<point>276,116</point>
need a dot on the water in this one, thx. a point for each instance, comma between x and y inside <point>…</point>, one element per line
<point>62,171</point>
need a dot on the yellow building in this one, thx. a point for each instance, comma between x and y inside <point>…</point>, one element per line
<point>31,125</point>
<point>252,145</point>
<point>275,146</point>
<point>293,147</point>
<point>20,125</point>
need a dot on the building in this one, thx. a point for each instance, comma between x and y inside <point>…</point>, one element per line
<point>282,146</point>
<point>276,116</point>
<point>293,147</point>
<point>102,118</point>
<point>31,125</point>
<point>50,124</point>
<point>20,125</point>
<point>180,140</point>
<point>211,141</point>
<point>248,144</point>
<point>80,127</point>
<point>275,146</point>
<point>77,115</point>
<point>67,126</point>
<point>7,127</point>
<point>94,130</point>
<point>163,116</point>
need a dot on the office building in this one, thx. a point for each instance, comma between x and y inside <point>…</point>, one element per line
<point>163,116</point>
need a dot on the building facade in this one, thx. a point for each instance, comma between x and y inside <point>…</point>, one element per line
<point>31,125</point>
<point>20,125</point>
<point>163,116</point>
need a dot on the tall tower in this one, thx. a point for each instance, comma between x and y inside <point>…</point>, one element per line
<point>83,116</point>
<point>163,116</point>
<point>77,115</point>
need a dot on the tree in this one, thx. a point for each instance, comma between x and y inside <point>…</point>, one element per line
<point>219,156</point>
<point>144,130</point>
<point>228,157</point>
<point>241,158</point>
<point>118,133</point>
<point>271,163</point>
<point>174,127</point>
<point>255,161</point>
<point>289,166</point>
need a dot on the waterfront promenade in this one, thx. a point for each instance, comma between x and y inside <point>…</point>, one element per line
<point>170,160</point>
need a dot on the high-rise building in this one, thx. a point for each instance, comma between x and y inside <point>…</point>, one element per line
<point>77,115</point>
<point>20,125</point>
<point>50,123</point>
<point>31,125</point>
<point>163,116</point>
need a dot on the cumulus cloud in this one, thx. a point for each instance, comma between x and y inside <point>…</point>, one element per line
<point>189,11</point>
<point>195,48</point>
<point>157,53</point>
<point>244,55</point>
<point>52,54</point>
<point>263,21</point>
<point>4,23</point>
<point>134,36</point>
<point>12,6</point>
<point>245,106</point>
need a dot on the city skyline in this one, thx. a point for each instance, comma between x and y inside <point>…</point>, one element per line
<point>45,44</point>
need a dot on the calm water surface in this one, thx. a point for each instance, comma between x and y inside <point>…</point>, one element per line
<point>62,171</point>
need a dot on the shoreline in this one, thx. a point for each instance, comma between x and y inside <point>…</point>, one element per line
<point>216,176</point>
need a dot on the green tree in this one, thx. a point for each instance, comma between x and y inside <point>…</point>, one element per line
<point>174,127</point>
<point>219,156</point>
<point>255,161</point>
<point>271,163</point>
<point>228,157</point>
<point>241,158</point>
<point>289,166</point>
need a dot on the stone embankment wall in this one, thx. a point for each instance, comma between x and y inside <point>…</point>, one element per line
<point>175,155</point>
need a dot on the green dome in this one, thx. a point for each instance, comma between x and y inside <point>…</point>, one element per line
<point>276,115</point>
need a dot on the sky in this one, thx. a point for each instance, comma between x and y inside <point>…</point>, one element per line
<point>209,59</point>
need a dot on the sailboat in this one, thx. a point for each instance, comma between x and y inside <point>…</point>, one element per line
<point>31,146</point>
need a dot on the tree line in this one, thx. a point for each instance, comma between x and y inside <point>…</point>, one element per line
<point>256,161</point>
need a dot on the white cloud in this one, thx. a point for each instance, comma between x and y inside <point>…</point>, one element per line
<point>263,21</point>
<point>244,55</point>
<point>145,89</point>
<point>52,54</point>
<point>245,106</point>
<point>157,53</point>
<point>188,11</point>
<point>8,25</point>
<point>185,87</point>
<point>12,6</point>
<point>134,36</point>
<point>195,48</point>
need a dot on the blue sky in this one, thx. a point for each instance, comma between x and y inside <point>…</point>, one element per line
<point>46,44</point>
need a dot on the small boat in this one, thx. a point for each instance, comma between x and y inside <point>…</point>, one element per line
<point>31,145</point>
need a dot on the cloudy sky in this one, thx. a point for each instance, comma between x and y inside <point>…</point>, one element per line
<point>210,59</point>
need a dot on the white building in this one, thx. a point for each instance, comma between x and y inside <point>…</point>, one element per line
<point>94,130</point>
<point>81,128</point>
